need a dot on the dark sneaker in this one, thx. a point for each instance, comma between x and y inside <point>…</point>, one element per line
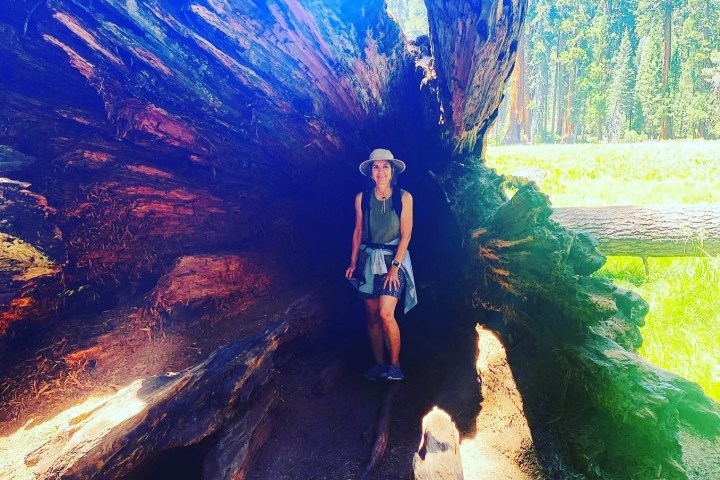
<point>376,372</point>
<point>394,373</point>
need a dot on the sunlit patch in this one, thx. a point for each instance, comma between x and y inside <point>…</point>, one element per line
<point>86,68</point>
<point>502,432</point>
<point>74,26</point>
<point>151,60</point>
<point>35,447</point>
<point>411,16</point>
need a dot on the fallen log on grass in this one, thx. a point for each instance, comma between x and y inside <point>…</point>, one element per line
<point>657,231</point>
<point>582,334</point>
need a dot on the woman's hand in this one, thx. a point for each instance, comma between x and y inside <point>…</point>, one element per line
<point>349,271</point>
<point>392,279</point>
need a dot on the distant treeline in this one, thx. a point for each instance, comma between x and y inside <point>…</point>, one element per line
<point>614,70</point>
<point>608,70</point>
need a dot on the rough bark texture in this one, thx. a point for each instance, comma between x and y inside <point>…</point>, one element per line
<point>584,348</point>
<point>157,128</point>
<point>667,231</point>
<point>518,130</point>
<point>141,420</point>
<point>199,286</point>
<point>155,132</point>
<point>474,45</point>
<point>32,254</point>
<point>232,456</point>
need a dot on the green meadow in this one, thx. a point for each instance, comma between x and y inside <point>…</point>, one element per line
<point>681,330</point>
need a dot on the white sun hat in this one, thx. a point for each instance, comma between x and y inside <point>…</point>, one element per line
<point>381,154</point>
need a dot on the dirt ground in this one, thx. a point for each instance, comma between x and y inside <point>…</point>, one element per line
<point>324,423</point>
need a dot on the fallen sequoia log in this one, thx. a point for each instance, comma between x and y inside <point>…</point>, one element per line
<point>635,415</point>
<point>163,130</point>
<point>228,393</point>
<point>662,231</point>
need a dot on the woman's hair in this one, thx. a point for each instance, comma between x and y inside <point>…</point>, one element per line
<point>393,177</point>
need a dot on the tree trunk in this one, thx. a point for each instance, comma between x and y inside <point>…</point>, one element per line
<point>690,230</point>
<point>518,130</point>
<point>568,124</point>
<point>145,418</point>
<point>666,127</point>
<point>557,93</point>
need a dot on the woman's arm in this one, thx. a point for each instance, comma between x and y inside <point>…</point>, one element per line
<point>357,236</point>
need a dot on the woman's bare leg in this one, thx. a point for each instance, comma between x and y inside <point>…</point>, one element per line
<point>375,329</point>
<point>391,331</point>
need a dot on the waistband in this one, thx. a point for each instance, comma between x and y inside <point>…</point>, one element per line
<point>383,246</point>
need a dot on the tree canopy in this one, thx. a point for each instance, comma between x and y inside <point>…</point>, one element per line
<point>619,70</point>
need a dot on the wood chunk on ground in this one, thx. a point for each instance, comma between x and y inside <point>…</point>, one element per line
<point>228,283</point>
<point>438,457</point>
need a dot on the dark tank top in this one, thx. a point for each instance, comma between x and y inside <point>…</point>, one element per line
<point>384,227</point>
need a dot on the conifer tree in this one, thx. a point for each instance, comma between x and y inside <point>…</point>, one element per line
<point>648,87</point>
<point>620,93</point>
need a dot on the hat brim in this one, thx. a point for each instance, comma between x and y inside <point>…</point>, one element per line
<point>399,165</point>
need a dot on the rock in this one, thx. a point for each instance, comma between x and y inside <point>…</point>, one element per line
<point>438,456</point>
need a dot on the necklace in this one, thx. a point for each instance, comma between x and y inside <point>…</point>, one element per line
<point>384,197</point>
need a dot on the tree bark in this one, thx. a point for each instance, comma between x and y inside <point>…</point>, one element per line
<point>569,133</point>
<point>180,130</point>
<point>518,130</point>
<point>32,255</point>
<point>158,414</point>
<point>164,130</point>
<point>666,127</point>
<point>668,231</point>
<point>589,364</point>
<point>555,117</point>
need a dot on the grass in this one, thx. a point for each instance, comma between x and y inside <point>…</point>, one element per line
<point>681,330</point>
<point>651,173</point>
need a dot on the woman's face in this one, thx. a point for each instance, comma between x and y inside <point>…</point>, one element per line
<point>381,172</point>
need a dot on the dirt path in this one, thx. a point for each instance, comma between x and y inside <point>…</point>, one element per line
<point>324,423</point>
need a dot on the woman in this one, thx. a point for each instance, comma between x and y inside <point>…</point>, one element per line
<point>380,262</point>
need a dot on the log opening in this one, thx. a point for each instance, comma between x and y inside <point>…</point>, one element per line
<point>143,134</point>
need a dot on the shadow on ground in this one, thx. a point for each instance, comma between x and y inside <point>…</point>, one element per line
<point>324,424</point>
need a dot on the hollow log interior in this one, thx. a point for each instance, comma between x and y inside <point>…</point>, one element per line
<point>168,167</point>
